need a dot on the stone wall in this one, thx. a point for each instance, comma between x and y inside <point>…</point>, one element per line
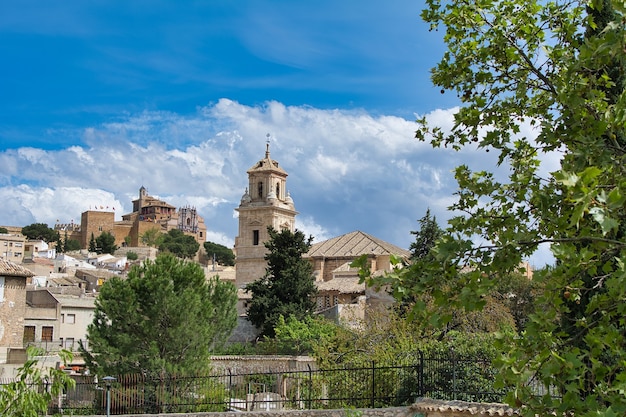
<point>423,407</point>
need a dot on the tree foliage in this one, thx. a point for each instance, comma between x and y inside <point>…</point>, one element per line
<point>19,398</point>
<point>4,230</point>
<point>40,231</point>
<point>180,244</point>
<point>105,243</point>
<point>288,287</point>
<point>223,255</point>
<point>425,237</point>
<point>165,317</point>
<point>152,237</point>
<point>538,77</point>
<point>92,243</point>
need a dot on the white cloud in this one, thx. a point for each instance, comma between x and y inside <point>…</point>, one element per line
<point>348,170</point>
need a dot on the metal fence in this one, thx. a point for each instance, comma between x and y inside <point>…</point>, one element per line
<point>368,385</point>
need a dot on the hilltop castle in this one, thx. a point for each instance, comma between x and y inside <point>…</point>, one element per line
<point>148,213</point>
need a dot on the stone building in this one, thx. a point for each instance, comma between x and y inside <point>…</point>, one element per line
<point>266,202</point>
<point>148,213</point>
<point>12,309</point>
<point>12,246</point>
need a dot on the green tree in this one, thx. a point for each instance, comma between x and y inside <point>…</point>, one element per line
<point>152,237</point>
<point>59,246</point>
<point>19,399</point>
<point>71,245</point>
<point>297,337</point>
<point>92,243</point>
<point>288,287</point>
<point>132,256</point>
<point>425,237</point>
<point>165,317</point>
<point>223,255</point>
<point>40,231</point>
<point>180,244</point>
<point>4,230</point>
<point>105,243</point>
<point>536,77</point>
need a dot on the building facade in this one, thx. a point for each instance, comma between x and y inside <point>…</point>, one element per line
<point>266,202</point>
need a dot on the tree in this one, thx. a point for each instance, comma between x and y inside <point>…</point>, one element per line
<point>19,399</point>
<point>92,243</point>
<point>152,237</point>
<point>4,230</point>
<point>71,245</point>
<point>40,231</point>
<point>556,71</point>
<point>223,254</point>
<point>105,243</point>
<point>132,256</point>
<point>425,237</point>
<point>180,244</point>
<point>288,287</point>
<point>60,248</point>
<point>165,317</point>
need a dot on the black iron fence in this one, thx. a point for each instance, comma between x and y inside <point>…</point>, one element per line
<point>368,385</point>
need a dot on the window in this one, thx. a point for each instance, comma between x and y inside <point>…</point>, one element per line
<point>47,333</point>
<point>260,185</point>
<point>99,228</point>
<point>200,234</point>
<point>18,254</point>
<point>70,318</point>
<point>255,237</point>
<point>277,190</point>
<point>68,342</point>
<point>18,245</point>
<point>29,334</point>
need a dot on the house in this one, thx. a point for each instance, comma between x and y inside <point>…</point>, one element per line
<point>55,321</point>
<point>338,283</point>
<point>38,249</point>
<point>12,310</point>
<point>12,247</point>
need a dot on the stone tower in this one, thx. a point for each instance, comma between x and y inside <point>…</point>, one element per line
<point>266,202</point>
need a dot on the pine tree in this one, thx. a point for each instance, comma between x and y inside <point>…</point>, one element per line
<point>92,243</point>
<point>288,287</point>
<point>165,317</point>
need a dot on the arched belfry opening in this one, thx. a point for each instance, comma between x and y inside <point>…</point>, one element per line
<point>265,202</point>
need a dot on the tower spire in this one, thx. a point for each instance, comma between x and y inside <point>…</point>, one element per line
<point>267,146</point>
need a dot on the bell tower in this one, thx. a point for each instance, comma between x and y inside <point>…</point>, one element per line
<point>266,202</point>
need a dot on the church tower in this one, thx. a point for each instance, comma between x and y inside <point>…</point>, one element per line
<point>266,202</point>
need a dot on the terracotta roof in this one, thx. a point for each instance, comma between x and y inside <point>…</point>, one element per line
<point>11,269</point>
<point>463,407</point>
<point>342,286</point>
<point>354,244</point>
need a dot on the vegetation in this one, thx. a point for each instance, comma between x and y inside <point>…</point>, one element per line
<point>92,243</point>
<point>40,231</point>
<point>4,230</point>
<point>288,287</point>
<point>70,245</point>
<point>164,318</point>
<point>132,256</point>
<point>19,399</point>
<point>223,255</point>
<point>537,78</point>
<point>152,237</point>
<point>105,243</point>
<point>180,244</point>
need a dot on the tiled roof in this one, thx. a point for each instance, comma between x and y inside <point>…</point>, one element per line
<point>342,285</point>
<point>11,269</point>
<point>354,244</point>
<point>463,407</point>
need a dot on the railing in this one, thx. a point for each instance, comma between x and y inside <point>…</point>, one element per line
<point>368,385</point>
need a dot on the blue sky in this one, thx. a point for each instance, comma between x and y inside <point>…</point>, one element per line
<point>98,98</point>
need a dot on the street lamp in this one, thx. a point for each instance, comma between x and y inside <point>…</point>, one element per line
<point>108,380</point>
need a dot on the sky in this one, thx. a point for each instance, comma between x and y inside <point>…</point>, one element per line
<point>101,97</point>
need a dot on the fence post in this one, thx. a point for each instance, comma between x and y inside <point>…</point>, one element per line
<point>420,374</point>
<point>373,383</point>
<point>310,385</point>
<point>454,364</point>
